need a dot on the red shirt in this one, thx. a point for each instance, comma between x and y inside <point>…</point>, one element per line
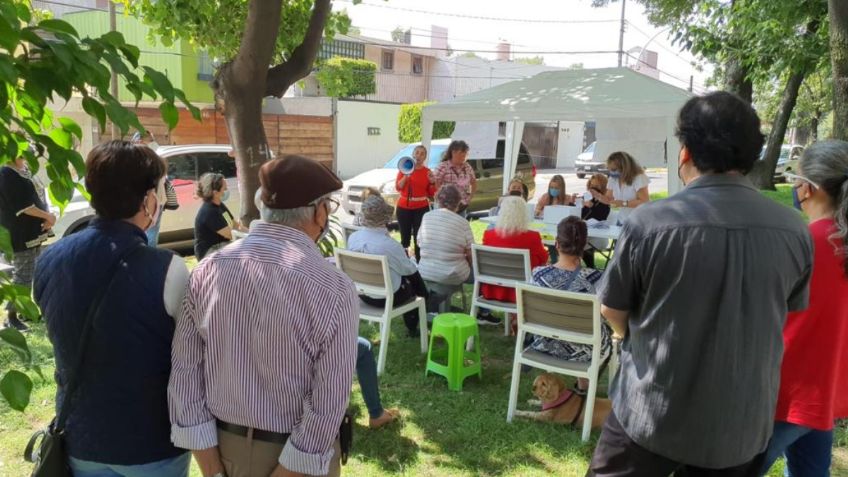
<point>814,375</point>
<point>530,240</point>
<point>414,194</point>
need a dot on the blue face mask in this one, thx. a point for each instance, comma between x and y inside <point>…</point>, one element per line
<point>796,202</point>
<point>614,174</point>
<point>553,192</point>
<point>226,196</point>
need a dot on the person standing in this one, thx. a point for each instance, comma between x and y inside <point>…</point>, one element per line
<point>24,214</point>
<point>814,375</point>
<point>171,203</point>
<point>212,230</point>
<point>416,189</point>
<point>699,288</point>
<point>114,388</point>
<point>265,351</point>
<point>455,169</point>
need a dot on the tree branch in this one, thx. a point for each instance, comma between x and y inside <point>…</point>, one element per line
<point>257,42</point>
<point>280,77</point>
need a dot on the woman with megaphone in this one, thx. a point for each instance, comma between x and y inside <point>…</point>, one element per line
<point>416,186</point>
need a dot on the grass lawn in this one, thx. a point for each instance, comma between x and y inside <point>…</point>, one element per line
<point>442,433</point>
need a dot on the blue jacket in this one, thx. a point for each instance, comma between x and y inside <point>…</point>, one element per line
<point>120,412</point>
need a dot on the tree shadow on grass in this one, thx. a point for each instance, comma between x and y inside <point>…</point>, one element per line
<point>466,432</point>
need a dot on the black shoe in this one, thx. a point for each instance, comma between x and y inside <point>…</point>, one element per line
<point>14,322</point>
<point>487,319</point>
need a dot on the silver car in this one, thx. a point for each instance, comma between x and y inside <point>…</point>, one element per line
<point>185,166</point>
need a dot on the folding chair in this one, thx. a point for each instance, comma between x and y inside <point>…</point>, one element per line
<point>573,317</point>
<point>506,267</point>
<point>370,274</point>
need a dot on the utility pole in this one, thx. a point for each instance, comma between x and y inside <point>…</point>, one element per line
<point>621,35</point>
<point>114,85</point>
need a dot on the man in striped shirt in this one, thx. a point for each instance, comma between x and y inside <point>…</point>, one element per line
<point>264,352</point>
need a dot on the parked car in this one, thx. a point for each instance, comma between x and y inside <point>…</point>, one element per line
<point>586,163</point>
<point>185,166</point>
<point>787,161</point>
<point>489,174</point>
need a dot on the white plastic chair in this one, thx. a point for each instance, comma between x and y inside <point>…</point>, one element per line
<point>370,274</point>
<point>348,229</point>
<point>573,317</point>
<point>506,267</point>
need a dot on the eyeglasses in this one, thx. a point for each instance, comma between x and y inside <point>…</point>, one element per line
<point>332,206</point>
<point>796,178</point>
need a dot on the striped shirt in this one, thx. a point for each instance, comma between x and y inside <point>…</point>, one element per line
<point>444,238</point>
<point>267,339</point>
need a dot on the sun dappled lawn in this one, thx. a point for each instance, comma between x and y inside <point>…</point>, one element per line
<point>442,433</point>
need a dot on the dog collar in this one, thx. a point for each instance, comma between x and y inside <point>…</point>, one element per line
<point>565,396</point>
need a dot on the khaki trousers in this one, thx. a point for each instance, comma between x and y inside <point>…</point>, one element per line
<point>243,456</point>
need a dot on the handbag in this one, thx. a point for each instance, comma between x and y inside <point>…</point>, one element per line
<point>346,437</point>
<point>51,458</point>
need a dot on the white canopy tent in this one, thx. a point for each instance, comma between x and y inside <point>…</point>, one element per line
<point>628,103</point>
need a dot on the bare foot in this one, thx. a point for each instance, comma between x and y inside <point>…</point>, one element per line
<point>389,416</point>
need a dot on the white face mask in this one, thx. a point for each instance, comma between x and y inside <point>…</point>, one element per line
<point>154,215</point>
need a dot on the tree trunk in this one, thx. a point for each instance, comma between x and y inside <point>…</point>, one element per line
<point>736,80</point>
<point>762,175</point>
<point>802,135</point>
<point>839,59</point>
<point>241,85</point>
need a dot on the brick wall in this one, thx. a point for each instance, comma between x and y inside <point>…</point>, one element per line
<point>310,136</point>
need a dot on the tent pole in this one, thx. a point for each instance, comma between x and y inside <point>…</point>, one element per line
<point>514,134</point>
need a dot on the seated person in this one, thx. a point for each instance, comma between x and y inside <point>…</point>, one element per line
<point>212,229</point>
<point>567,274</point>
<point>366,374</point>
<point>554,196</point>
<point>374,239</point>
<point>366,193</point>
<point>516,187</point>
<point>445,239</point>
<point>628,184</point>
<point>511,231</point>
<point>594,209</point>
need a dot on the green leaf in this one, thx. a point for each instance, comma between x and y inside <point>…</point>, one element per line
<point>16,387</point>
<point>170,114</point>
<point>131,53</point>
<point>160,82</point>
<point>16,340</point>
<point>5,243</point>
<point>93,108</point>
<point>61,51</point>
<point>57,26</point>
<point>8,72</point>
<point>25,305</point>
<point>9,37</point>
<point>71,126</point>
<point>23,12</point>
<point>114,38</point>
<point>61,137</point>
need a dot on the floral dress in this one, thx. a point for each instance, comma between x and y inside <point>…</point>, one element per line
<point>581,280</point>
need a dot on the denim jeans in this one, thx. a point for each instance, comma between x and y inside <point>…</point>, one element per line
<point>173,467</point>
<point>366,373</point>
<point>807,451</point>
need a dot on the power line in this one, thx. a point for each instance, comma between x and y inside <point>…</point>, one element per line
<point>477,17</point>
<point>669,50</point>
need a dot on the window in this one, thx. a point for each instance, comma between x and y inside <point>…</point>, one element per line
<point>205,68</point>
<point>388,60</point>
<point>182,168</point>
<point>218,162</point>
<point>347,49</point>
<point>417,65</point>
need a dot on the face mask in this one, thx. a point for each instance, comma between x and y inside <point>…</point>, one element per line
<point>154,217</point>
<point>796,202</point>
<point>515,193</point>
<point>325,229</point>
<point>614,174</point>
<point>553,192</point>
<point>226,196</point>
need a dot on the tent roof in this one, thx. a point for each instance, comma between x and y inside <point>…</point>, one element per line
<point>566,95</point>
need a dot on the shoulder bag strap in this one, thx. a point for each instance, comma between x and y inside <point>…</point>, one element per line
<point>93,311</point>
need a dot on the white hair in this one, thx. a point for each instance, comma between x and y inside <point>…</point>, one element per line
<point>295,218</point>
<point>512,218</point>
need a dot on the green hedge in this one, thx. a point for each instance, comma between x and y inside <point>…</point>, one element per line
<point>341,77</point>
<point>409,124</point>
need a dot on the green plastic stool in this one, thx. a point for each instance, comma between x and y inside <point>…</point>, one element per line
<point>456,329</point>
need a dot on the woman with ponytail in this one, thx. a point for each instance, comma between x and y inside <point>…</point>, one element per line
<point>567,274</point>
<point>814,374</point>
